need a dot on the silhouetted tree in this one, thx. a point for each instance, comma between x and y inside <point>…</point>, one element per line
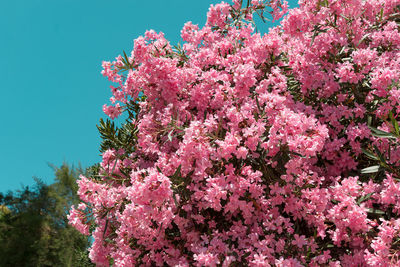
<point>34,229</point>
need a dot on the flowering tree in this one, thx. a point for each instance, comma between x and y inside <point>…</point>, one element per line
<point>242,149</point>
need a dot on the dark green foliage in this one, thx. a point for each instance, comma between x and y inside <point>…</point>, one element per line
<point>123,136</point>
<point>116,137</point>
<point>34,229</point>
<point>381,160</point>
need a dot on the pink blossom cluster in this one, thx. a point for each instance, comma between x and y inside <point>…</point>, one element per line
<point>280,149</point>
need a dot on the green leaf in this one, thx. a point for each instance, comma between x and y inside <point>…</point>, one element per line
<point>342,50</point>
<point>364,198</point>
<point>177,173</point>
<point>363,38</point>
<point>380,155</point>
<point>375,211</point>
<point>158,169</point>
<point>170,135</point>
<point>245,255</point>
<point>369,154</point>
<point>175,200</point>
<point>343,16</point>
<point>371,169</point>
<point>127,60</point>
<point>190,174</point>
<point>369,120</point>
<point>382,134</point>
<point>395,15</point>
<point>105,228</point>
<point>394,123</point>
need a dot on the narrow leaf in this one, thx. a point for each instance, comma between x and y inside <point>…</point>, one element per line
<point>394,123</point>
<point>177,172</point>
<point>364,38</point>
<point>369,154</point>
<point>369,120</point>
<point>371,169</point>
<point>375,211</point>
<point>364,198</point>
<point>380,155</point>
<point>379,133</point>
<point>170,135</point>
<point>158,169</point>
<point>105,228</point>
<point>175,200</point>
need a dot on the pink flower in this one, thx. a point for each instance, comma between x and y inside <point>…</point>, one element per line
<point>248,148</point>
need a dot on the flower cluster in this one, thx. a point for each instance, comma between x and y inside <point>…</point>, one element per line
<point>280,149</point>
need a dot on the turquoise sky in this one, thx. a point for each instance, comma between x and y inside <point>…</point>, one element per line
<point>51,88</point>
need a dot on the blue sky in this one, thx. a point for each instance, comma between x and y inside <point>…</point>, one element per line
<point>51,88</point>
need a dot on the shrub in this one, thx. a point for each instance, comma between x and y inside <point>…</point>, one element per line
<point>246,149</point>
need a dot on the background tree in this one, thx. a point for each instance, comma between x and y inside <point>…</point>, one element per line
<point>34,228</point>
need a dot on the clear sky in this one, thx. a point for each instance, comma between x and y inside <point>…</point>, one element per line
<point>51,88</point>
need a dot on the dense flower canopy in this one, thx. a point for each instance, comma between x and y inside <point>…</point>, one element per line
<point>262,150</point>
